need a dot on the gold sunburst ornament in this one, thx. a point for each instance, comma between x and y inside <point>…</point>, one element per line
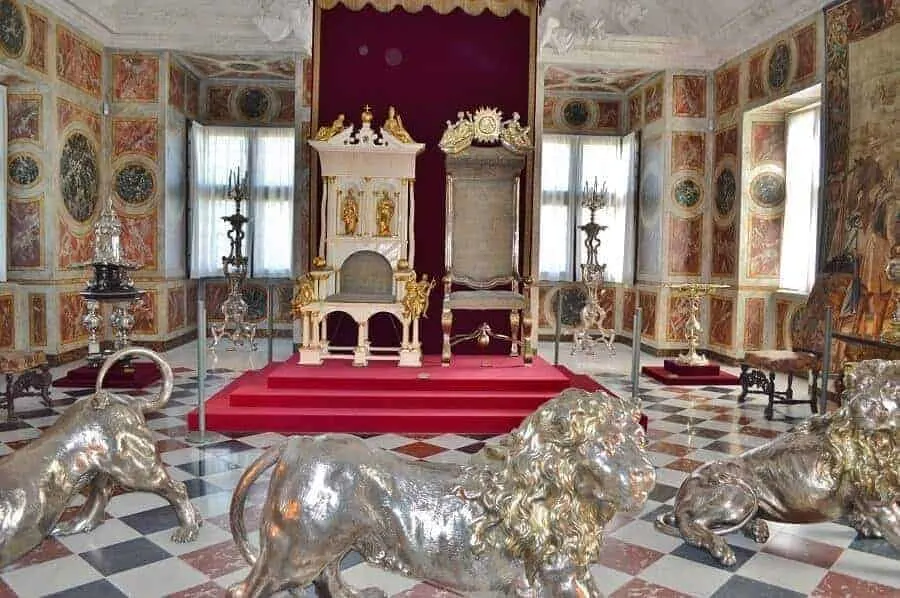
<point>487,125</point>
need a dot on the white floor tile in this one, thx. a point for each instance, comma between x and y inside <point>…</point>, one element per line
<point>685,576</point>
<point>51,577</point>
<point>782,572</point>
<point>157,579</point>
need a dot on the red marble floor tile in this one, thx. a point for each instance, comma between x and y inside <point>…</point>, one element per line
<point>425,590</point>
<point>207,590</point>
<point>170,444</point>
<point>804,550</point>
<point>618,520</point>
<point>6,591</point>
<point>683,464</point>
<point>251,519</point>
<point>741,420</point>
<point>625,557</point>
<point>836,585</point>
<point>760,432</point>
<point>17,444</point>
<point>638,588</point>
<point>48,550</point>
<point>669,448</point>
<point>655,434</point>
<point>216,560</point>
<point>420,450</point>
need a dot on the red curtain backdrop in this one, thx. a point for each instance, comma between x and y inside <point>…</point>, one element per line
<point>429,66</point>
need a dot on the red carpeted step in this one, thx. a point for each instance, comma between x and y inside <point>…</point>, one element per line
<point>259,396</point>
<point>222,417</point>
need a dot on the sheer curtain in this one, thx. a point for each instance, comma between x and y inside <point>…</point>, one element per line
<point>555,256</point>
<point>608,159</point>
<point>272,201</point>
<point>798,243</point>
<point>567,161</point>
<point>268,155</point>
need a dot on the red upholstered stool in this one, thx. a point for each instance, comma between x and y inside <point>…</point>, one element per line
<point>24,370</point>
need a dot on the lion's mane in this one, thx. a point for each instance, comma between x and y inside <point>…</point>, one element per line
<point>532,507</point>
<point>866,454</point>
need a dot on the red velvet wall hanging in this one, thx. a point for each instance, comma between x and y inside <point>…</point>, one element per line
<point>429,66</point>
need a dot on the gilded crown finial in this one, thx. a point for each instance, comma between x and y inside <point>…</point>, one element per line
<point>367,114</point>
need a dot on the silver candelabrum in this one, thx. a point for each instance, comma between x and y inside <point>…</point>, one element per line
<point>235,326</point>
<point>694,292</point>
<point>590,331</point>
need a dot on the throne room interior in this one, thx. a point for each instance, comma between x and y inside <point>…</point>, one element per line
<point>752,145</point>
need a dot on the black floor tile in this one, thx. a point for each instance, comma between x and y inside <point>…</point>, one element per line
<point>125,555</point>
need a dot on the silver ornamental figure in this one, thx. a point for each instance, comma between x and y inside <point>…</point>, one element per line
<point>527,521</point>
<point>842,464</point>
<point>99,442</point>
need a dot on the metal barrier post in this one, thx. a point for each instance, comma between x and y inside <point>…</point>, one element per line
<point>826,362</point>
<point>270,310</point>
<point>199,437</point>
<point>558,326</point>
<point>636,353</point>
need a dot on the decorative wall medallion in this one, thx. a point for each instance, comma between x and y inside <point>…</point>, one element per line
<point>23,170</point>
<point>134,184</point>
<point>573,301</point>
<point>253,103</point>
<point>767,189</point>
<point>726,188</point>
<point>12,28</point>
<point>687,193</point>
<point>576,113</point>
<point>779,65</point>
<point>79,177</point>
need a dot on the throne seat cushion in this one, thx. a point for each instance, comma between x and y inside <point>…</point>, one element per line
<point>361,298</point>
<point>782,361</point>
<point>475,300</point>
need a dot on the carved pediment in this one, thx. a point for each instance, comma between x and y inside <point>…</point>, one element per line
<point>487,127</point>
<point>341,132</point>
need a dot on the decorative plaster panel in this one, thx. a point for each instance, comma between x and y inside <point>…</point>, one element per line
<point>135,77</point>
<point>754,323</point>
<point>78,63</point>
<point>689,96</point>
<point>37,319</point>
<point>721,321</point>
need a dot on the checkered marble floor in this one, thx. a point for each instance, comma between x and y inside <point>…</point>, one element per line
<point>131,555</point>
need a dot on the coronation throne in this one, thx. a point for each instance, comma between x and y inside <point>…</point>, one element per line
<point>482,228</point>
<point>366,242</point>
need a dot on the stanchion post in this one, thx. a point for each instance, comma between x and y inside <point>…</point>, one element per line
<point>636,353</point>
<point>558,326</point>
<point>826,362</point>
<point>270,309</point>
<point>199,437</point>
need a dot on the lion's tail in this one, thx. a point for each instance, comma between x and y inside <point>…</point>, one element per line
<point>165,369</point>
<point>239,499</point>
<point>667,524</point>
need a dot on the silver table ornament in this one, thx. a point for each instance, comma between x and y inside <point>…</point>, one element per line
<point>526,519</point>
<point>100,441</point>
<point>845,463</point>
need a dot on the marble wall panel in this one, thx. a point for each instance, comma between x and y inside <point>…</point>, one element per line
<point>754,323</point>
<point>648,301</point>
<point>581,114</point>
<point>728,85</point>
<point>679,315</point>
<point>25,228</point>
<point>39,33</point>
<point>721,321</point>
<point>629,302</point>
<point>685,245</point>
<point>688,152</point>
<point>25,117</point>
<point>249,103</point>
<point>177,78</point>
<point>764,246</point>
<point>689,96</point>
<point>176,309</point>
<point>146,317</point>
<point>136,136</point>
<point>71,310</point>
<point>635,111</point>
<point>7,321</point>
<point>78,62</point>
<point>135,77</point>
<point>37,319</point>
<point>653,101</point>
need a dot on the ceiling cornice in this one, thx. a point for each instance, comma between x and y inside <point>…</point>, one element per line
<point>622,52</point>
<point>75,16</point>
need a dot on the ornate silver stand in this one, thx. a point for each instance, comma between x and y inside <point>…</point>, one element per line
<point>694,291</point>
<point>235,326</point>
<point>111,283</point>
<point>592,276</point>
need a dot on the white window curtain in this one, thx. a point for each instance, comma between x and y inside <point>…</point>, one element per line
<point>267,155</point>
<point>567,162</point>
<point>4,258</point>
<point>799,236</point>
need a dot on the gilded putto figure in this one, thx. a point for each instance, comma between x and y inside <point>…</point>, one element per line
<point>415,301</point>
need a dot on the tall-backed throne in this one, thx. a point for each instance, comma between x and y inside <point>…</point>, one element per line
<point>366,242</point>
<point>482,228</point>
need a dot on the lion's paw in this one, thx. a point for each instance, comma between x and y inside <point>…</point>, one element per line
<point>186,533</point>
<point>728,558</point>
<point>757,530</point>
<point>73,526</point>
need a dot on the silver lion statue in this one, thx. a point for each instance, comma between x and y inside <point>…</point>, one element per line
<point>100,441</point>
<point>845,463</point>
<point>526,521</point>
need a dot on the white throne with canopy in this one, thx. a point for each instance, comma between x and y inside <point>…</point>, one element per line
<point>366,242</point>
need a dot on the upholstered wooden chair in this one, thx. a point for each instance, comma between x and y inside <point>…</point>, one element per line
<point>24,370</point>
<point>804,355</point>
<point>481,247</point>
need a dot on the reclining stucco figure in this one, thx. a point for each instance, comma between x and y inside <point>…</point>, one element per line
<point>845,463</point>
<point>101,440</point>
<point>527,521</point>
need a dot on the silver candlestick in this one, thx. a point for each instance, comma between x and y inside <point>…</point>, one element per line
<point>235,326</point>
<point>593,274</point>
<point>694,292</point>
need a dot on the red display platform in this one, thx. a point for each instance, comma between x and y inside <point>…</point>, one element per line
<point>466,397</point>
<point>676,374</point>
<point>136,375</point>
